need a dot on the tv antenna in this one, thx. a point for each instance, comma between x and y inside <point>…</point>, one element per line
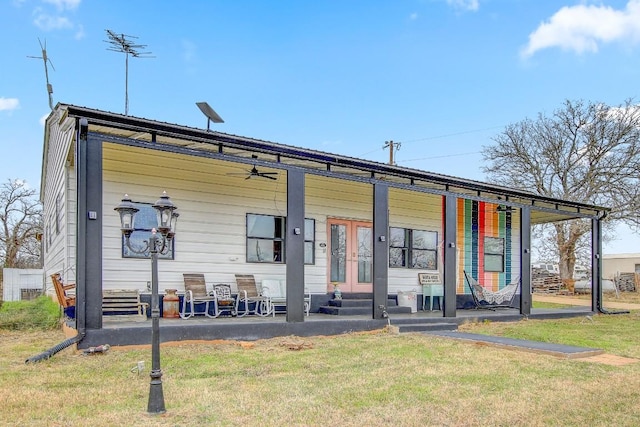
<point>46,59</point>
<point>122,43</point>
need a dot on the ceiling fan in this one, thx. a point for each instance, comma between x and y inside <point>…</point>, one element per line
<point>505,208</point>
<point>255,173</point>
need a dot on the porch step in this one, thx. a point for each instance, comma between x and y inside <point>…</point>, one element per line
<point>356,307</point>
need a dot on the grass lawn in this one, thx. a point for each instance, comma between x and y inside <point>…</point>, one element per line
<point>371,379</point>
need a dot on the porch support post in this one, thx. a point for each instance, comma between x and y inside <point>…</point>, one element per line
<point>380,249</point>
<point>89,236</point>
<point>294,245</point>
<point>596,265</point>
<point>450,279</point>
<point>525,261</point>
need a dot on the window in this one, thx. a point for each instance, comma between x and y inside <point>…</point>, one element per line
<point>309,241</point>
<point>413,248</point>
<point>494,254</point>
<point>145,220</point>
<point>58,213</point>
<point>266,239</point>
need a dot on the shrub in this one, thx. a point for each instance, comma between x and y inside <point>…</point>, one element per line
<point>39,314</point>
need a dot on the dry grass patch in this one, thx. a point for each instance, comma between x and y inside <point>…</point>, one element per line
<point>373,379</point>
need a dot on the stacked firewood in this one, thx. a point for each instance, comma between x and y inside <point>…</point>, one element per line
<point>627,282</point>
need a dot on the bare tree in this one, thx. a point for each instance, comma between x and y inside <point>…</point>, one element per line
<point>21,222</point>
<point>585,152</point>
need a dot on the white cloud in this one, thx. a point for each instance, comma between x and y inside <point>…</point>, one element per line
<point>9,104</point>
<point>465,5</point>
<point>413,16</point>
<point>582,28</point>
<point>64,4</point>
<point>48,22</point>
<point>43,119</point>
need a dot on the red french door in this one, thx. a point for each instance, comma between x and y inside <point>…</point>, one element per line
<point>350,260</point>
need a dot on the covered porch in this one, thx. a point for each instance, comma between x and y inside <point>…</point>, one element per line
<point>441,224</point>
<point>133,330</point>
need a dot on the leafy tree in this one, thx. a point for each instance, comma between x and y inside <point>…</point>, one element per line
<point>21,225</point>
<point>586,152</point>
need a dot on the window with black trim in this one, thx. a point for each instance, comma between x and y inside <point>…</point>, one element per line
<point>309,241</point>
<point>494,254</point>
<point>266,239</point>
<point>413,248</point>
<point>146,219</point>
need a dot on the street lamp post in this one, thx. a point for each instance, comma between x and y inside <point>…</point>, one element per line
<point>167,218</point>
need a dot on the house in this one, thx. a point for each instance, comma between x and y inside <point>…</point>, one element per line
<point>275,211</point>
<point>614,264</point>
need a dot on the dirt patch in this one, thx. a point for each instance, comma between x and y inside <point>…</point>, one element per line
<point>609,359</point>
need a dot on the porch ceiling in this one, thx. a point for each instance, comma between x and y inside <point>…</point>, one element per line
<point>543,209</point>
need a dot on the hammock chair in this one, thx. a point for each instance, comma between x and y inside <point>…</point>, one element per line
<point>487,299</point>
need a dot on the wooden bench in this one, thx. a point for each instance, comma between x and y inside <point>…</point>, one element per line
<point>122,302</point>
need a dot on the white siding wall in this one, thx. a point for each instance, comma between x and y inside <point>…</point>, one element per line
<point>59,200</point>
<point>211,230</point>
<point>418,211</point>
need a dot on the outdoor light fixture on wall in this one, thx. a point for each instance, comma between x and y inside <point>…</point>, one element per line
<point>167,218</point>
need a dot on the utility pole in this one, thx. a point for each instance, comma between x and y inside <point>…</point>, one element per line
<point>122,43</point>
<point>46,60</point>
<point>391,145</point>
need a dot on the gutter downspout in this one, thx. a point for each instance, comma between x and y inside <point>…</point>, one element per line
<point>597,260</point>
<point>47,354</point>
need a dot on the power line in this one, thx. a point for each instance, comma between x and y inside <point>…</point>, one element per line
<point>432,137</point>
<point>121,43</point>
<point>441,157</point>
<point>452,134</point>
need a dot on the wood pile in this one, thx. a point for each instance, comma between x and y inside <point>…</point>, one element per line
<point>544,282</point>
<point>627,282</point>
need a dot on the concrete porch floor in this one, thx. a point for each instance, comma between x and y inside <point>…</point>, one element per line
<point>133,330</point>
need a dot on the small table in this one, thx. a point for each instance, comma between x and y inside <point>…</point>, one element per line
<point>432,291</point>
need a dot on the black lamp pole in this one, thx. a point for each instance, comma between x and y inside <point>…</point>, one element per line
<point>167,217</point>
<point>156,396</point>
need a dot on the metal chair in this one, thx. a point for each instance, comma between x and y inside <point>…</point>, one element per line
<point>196,293</point>
<point>249,296</point>
<point>276,291</point>
<point>225,303</point>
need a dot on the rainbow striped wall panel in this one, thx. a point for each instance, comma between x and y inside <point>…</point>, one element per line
<point>476,221</point>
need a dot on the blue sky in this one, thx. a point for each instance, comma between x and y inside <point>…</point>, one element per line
<point>440,76</point>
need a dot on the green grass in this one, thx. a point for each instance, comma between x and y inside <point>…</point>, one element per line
<point>371,379</point>
<point>39,314</point>
<point>611,333</point>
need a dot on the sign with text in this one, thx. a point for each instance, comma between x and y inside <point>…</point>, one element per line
<point>429,278</point>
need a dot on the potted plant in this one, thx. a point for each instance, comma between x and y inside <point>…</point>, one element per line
<point>337,293</point>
